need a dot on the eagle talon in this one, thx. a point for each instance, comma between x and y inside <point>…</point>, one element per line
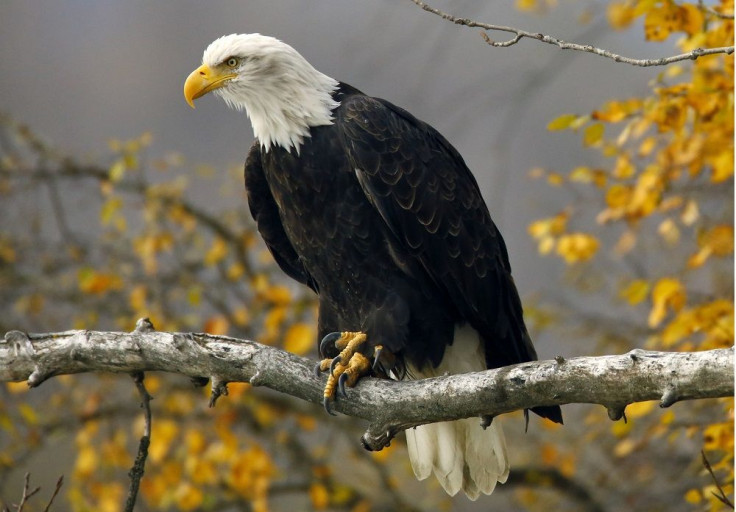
<point>333,364</point>
<point>330,339</point>
<point>377,358</point>
<point>327,403</point>
<point>341,385</point>
<point>344,369</point>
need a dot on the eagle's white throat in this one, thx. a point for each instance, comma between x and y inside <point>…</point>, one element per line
<point>283,95</point>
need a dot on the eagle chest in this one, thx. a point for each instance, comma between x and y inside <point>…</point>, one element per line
<point>324,212</point>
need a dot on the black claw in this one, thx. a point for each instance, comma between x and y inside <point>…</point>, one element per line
<point>341,385</point>
<point>318,369</point>
<point>328,340</point>
<point>485,421</point>
<point>327,403</point>
<point>333,364</point>
<point>377,359</point>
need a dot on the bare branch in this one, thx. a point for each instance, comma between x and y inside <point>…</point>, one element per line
<point>136,472</point>
<point>720,496</point>
<point>564,45</point>
<point>712,11</point>
<point>59,483</point>
<point>389,406</point>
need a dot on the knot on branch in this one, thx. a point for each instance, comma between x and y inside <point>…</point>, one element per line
<point>219,388</point>
<point>20,343</point>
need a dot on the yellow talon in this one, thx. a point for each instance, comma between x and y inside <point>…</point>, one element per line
<point>346,368</point>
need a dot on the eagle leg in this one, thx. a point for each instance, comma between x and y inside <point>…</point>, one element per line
<point>346,368</point>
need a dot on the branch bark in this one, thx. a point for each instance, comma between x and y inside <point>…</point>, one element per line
<point>388,406</point>
<point>565,45</point>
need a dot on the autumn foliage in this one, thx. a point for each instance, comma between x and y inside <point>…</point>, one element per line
<point>107,243</point>
<point>665,187</point>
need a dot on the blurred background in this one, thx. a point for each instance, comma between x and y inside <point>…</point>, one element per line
<point>146,216</point>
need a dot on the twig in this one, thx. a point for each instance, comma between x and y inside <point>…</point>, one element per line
<point>722,495</point>
<point>564,45</point>
<point>712,11</point>
<point>59,483</point>
<point>136,472</point>
<point>143,325</point>
<point>26,493</point>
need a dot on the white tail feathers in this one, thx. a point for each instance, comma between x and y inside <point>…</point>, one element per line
<point>460,453</point>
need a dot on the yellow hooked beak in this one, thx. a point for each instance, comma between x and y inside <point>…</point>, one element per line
<point>203,80</point>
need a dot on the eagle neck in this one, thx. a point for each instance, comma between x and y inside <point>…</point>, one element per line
<point>283,112</point>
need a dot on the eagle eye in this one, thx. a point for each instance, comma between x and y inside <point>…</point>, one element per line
<point>232,62</point>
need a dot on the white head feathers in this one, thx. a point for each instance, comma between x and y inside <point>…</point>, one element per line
<point>281,92</point>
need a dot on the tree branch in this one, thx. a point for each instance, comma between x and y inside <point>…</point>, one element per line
<point>564,45</point>
<point>389,406</point>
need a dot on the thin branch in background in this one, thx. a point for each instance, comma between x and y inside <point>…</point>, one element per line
<point>143,325</point>
<point>136,472</point>
<point>26,492</point>
<point>564,45</point>
<point>712,11</point>
<point>59,483</point>
<point>721,496</point>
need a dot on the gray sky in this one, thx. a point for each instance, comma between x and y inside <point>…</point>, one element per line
<point>83,72</point>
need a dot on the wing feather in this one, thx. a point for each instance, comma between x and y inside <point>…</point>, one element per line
<point>432,204</point>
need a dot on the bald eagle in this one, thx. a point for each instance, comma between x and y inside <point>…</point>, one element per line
<point>377,213</point>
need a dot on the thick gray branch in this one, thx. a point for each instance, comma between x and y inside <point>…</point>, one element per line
<point>389,406</point>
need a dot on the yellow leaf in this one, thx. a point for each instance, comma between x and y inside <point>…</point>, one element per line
<point>581,174</point>
<point>188,496</point>
<point>620,14</point>
<point>577,247</point>
<point>217,324</point>
<point>635,292</point>
<point>235,271</point>
<point>278,294</point>
<point>137,297</point>
<point>109,209</point>
<point>618,196</point>
<point>668,293</point>
<point>639,409</point>
<point>117,171</point>
<point>17,387</point>
<point>87,461</point>
<point>555,179</point>
<point>660,22</point>
<point>690,214</point>
<point>719,240</point>
<point>623,168</point>
<point>300,338</point>
<point>319,496</point>
<point>163,433</point>
<point>217,252</point>
<point>722,166</point>
<point>28,413</point>
<point>718,436</point>
<point>593,134</point>
<point>647,146</point>
<point>693,496</point>
<point>562,122</point>
<point>669,231</point>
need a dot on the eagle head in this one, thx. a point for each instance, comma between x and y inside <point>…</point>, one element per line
<point>282,93</point>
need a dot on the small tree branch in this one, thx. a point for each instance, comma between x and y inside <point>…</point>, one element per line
<point>564,45</point>
<point>389,406</point>
<point>720,495</point>
<point>143,325</point>
<point>59,483</point>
